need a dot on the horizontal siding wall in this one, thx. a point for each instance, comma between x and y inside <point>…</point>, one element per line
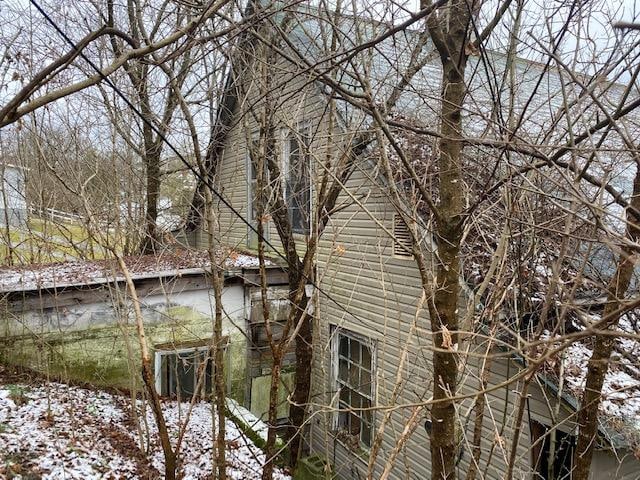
<point>298,102</point>
<point>378,296</point>
<point>357,268</point>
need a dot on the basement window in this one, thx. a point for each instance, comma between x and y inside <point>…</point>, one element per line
<point>353,364</point>
<point>402,245</point>
<point>184,370</point>
<point>552,452</point>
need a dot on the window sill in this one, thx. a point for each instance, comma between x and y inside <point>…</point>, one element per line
<point>361,451</point>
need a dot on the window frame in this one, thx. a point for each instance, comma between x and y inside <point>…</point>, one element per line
<point>160,353</point>
<point>303,131</point>
<point>540,453</point>
<point>338,384</point>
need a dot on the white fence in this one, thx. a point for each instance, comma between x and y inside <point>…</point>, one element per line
<point>56,215</point>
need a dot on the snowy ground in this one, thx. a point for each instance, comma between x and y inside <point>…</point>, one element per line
<point>62,432</point>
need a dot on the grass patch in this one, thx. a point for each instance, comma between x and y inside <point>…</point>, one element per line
<point>44,241</point>
<point>17,393</point>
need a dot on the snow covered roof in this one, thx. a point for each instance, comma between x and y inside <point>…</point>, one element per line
<point>620,406</point>
<point>77,273</point>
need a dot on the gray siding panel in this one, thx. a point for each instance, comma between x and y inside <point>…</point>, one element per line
<point>381,293</point>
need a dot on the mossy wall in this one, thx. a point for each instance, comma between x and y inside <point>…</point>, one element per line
<point>98,343</point>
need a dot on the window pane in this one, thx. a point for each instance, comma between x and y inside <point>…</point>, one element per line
<point>252,167</point>
<point>355,352</point>
<point>345,396</point>
<point>365,435</point>
<point>365,383</point>
<point>186,373</point>
<point>343,370</point>
<point>343,419</point>
<point>344,346</point>
<point>298,185</point>
<point>366,357</point>
<point>366,414</point>
<point>354,424</point>
<point>354,380</point>
<point>172,373</point>
<point>356,401</point>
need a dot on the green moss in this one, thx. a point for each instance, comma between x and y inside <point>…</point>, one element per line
<point>100,355</point>
<point>313,468</point>
<point>281,460</point>
<point>183,313</point>
<point>236,366</point>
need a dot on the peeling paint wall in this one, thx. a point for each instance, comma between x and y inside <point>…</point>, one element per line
<point>96,341</point>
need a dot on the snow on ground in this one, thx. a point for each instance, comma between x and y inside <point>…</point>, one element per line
<point>249,419</point>
<point>62,432</point>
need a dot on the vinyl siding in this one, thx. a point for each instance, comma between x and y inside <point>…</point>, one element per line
<point>299,102</point>
<point>378,295</point>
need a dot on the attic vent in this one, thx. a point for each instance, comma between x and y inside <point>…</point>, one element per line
<point>402,237</point>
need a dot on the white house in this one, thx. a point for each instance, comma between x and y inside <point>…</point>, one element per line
<point>13,202</point>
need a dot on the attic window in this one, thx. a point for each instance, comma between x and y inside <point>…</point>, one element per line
<point>296,164</point>
<point>402,245</point>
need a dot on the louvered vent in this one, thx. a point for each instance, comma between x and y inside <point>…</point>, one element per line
<point>402,237</point>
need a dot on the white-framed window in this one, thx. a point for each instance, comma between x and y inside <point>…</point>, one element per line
<point>296,165</point>
<point>353,366</point>
<point>178,370</point>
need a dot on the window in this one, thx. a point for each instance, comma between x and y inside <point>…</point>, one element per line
<point>252,177</point>
<point>551,455</point>
<point>353,370</point>
<point>298,181</point>
<point>253,152</point>
<point>178,371</point>
<point>402,245</point>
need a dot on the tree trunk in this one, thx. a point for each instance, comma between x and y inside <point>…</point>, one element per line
<point>217,278</point>
<point>150,241</point>
<point>444,308</point>
<point>170,458</point>
<point>270,450</point>
<point>220,387</point>
<point>300,397</point>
